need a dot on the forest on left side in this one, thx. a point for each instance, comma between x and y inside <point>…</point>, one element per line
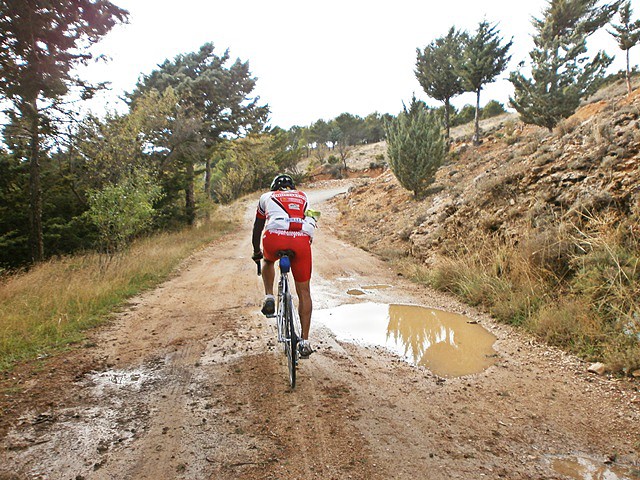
<point>72,182</point>
<point>194,134</point>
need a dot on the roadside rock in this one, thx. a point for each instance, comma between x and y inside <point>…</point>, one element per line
<point>598,368</point>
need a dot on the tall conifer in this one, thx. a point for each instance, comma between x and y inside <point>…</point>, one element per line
<point>41,41</point>
<point>437,70</point>
<point>562,73</point>
<point>215,99</point>
<point>627,33</point>
<point>483,60</point>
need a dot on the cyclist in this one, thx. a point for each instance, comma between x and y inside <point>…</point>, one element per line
<point>284,215</point>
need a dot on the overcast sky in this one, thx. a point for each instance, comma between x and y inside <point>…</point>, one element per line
<point>316,59</point>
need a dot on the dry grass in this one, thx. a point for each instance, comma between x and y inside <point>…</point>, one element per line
<point>50,306</point>
<point>495,278</point>
<point>601,133</point>
<point>567,126</point>
<point>465,131</point>
<point>567,322</point>
<point>577,287</point>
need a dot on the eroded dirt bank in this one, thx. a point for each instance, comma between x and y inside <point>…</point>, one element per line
<point>187,383</point>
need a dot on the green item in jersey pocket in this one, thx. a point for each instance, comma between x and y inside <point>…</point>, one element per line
<point>312,213</point>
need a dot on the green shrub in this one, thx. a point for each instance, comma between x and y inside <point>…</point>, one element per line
<point>465,115</point>
<point>416,147</point>
<point>123,210</point>
<point>493,108</point>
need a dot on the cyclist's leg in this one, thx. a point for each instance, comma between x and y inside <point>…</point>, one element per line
<point>268,276</point>
<point>270,245</point>
<point>305,307</point>
<point>301,269</point>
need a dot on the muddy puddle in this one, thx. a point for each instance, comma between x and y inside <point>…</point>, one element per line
<point>585,468</point>
<point>356,292</point>
<point>366,289</point>
<point>448,344</point>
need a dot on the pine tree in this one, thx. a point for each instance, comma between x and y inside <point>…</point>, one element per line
<point>627,33</point>
<point>562,73</point>
<point>40,44</point>
<point>416,147</point>
<point>484,59</point>
<point>215,102</point>
<point>437,70</point>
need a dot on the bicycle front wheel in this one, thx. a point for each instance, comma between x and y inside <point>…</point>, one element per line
<point>290,339</point>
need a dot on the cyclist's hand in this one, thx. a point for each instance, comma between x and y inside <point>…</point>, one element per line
<point>257,256</point>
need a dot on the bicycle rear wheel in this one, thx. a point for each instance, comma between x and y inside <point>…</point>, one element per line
<point>290,339</point>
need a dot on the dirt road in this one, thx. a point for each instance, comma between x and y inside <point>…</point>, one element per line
<point>188,384</point>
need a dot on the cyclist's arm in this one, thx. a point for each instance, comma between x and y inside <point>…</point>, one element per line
<point>258,225</point>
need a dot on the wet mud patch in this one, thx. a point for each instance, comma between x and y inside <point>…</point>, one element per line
<point>582,467</point>
<point>131,423</point>
<point>136,379</point>
<point>233,344</point>
<point>356,292</point>
<point>78,440</point>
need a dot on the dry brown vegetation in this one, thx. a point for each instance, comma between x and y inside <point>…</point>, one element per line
<point>50,306</point>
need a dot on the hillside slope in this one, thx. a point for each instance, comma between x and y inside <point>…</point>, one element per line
<point>551,195</point>
<point>520,177</point>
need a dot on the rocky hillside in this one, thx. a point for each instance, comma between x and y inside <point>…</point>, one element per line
<point>522,181</point>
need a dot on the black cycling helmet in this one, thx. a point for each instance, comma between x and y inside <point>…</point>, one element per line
<point>282,182</point>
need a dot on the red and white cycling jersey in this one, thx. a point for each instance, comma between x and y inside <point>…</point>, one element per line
<point>284,210</point>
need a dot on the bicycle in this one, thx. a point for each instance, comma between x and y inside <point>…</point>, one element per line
<point>287,320</point>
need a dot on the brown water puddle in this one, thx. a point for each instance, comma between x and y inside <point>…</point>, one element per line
<point>356,292</point>
<point>363,290</point>
<point>448,344</point>
<point>584,468</point>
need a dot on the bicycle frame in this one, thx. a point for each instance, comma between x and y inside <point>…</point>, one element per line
<point>287,319</point>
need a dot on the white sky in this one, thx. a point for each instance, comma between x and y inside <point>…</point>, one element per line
<point>317,59</point>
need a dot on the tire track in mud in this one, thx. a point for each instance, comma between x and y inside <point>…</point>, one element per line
<point>191,420</point>
<point>310,431</point>
<point>167,417</point>
<point>301,433</point>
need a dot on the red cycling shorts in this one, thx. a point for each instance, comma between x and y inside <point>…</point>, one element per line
<point>299,243</point>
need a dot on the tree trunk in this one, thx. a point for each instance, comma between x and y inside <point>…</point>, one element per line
<point>628,74</point>
<point>476,128</point>
<point>344,151</point>
<point>36,243</point>
<point>190,194</point>
<point>207,178</point>
<point>447,123</point>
